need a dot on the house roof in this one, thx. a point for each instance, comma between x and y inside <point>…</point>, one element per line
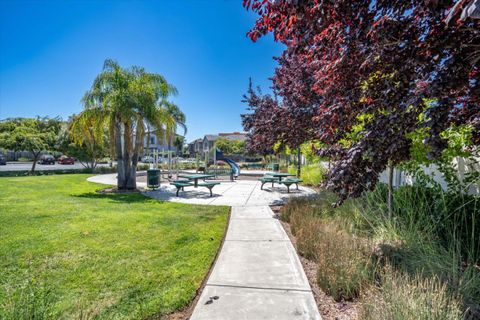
<point>211,137</point>
<point>237,136</point>
<point>196,141</point>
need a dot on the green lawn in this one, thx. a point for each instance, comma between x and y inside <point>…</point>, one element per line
<point>69,252</point>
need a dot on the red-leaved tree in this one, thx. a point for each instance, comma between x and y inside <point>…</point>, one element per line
<point>366,74</point>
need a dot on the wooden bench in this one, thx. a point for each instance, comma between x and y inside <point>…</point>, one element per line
<point>289,181</point>
<point>266,179</point>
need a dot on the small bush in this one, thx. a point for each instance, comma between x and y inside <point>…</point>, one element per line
<point>344,263</point>
<point>311,175</point>
<point>143,167</point>
<point>432,235</point>
<point>410,298</point>
<point>103,170</point>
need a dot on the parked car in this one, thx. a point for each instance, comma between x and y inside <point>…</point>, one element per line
<point>147,159</point>
<point>46,159</point>
<point>66,160</point>
<point>3,160</point>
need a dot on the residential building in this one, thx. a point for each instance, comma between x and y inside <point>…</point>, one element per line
<point>209,142</point>
<point>203,145</point>
<point>156,144</point>
<point>195,147</point>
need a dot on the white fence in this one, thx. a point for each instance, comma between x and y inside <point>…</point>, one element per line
<point>462,165</point>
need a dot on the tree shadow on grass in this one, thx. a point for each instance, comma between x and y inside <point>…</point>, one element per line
<point>128,197</point>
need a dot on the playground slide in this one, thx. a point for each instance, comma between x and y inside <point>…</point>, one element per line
<point>235,168</point>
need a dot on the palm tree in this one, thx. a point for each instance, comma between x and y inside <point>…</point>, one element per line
<point>180,121</point>
<point>124,101</point>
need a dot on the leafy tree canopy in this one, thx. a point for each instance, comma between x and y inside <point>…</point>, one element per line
<point>86,140</point>
<point>27,134</point>
<point>126,101</point>
<point>361,77</point>
<point>230,146</point>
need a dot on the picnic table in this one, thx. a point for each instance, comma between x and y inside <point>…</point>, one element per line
<point>195,177</point>
<point>279,175</point>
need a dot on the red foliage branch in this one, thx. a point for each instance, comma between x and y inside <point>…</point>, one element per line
<point>381,58</point>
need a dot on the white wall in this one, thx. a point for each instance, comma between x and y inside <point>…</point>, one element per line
<point>463,166</point>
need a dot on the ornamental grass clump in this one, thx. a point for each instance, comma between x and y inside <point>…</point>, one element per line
<point>405,297</point>
<point>344,262</point>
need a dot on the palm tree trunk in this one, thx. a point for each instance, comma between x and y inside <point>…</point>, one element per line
<point>130,169</point>
<point>119,148</point>
<point>138,144</point>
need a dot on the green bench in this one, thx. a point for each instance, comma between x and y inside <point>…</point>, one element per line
<point>220,172</point>
<point>181,184</point>
<point>289,181</point>
<point>266,179</point>
<point>208,185</point>
<point>254,166</point>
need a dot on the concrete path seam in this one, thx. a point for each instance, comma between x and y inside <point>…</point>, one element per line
<point>257,288</point>
<point>253,189</point>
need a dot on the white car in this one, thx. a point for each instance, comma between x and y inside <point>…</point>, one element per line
<point>147,159</point>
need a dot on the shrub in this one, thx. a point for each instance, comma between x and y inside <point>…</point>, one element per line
<point>344,263</point>
<point>410,298</point>
<point>103,170</point>
<point>432,235</point>
<point>143,167</point>
<point>311,174</point>
<point>187,165</point>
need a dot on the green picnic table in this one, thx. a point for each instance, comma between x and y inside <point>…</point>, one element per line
<point>195,177</point>
<point>279,175</point>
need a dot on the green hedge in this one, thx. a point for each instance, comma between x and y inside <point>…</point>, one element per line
<point>311,174</point>
<point>22,173</point>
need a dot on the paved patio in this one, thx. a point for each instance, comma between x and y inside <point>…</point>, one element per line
<point>237,193</point>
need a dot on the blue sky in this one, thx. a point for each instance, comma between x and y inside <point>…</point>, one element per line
<point>50,52</point>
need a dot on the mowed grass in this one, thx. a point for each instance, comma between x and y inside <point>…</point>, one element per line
<point>69,252</point>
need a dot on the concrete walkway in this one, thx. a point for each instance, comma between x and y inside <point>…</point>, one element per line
<point>257,274</point>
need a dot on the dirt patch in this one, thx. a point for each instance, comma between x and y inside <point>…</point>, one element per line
<point>328,307</point>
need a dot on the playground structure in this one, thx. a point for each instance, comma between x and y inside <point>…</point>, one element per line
<point>233,165</point>
<point>167,163</point>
